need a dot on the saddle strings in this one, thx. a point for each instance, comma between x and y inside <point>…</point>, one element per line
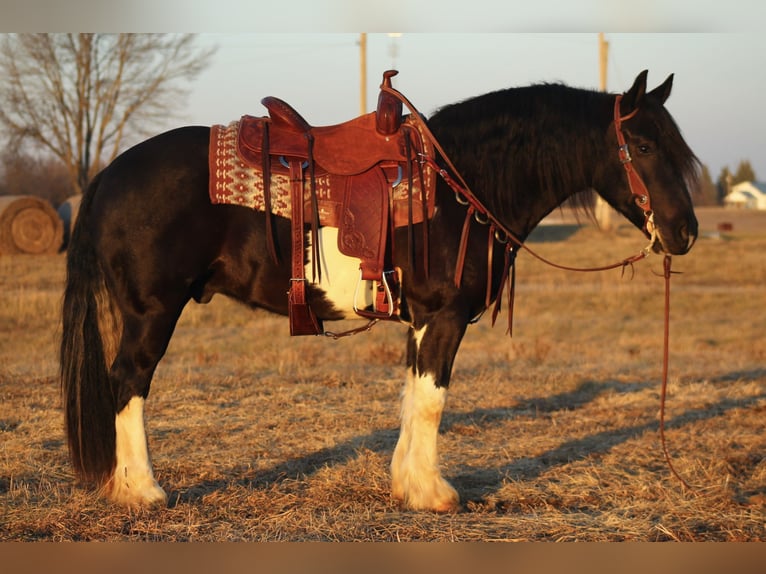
<point>271,237</point>
<point>316,264</point>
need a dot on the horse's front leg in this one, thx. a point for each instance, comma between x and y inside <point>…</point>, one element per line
<point>415,476</point>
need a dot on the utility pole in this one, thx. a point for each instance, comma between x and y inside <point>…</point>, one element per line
<point>603,57</point>
<point>393,49</point>
<point>603,210</point>
<point>362,74</point>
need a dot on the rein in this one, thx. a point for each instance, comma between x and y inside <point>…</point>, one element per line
<point>482,215</point>
<point>667,272</point>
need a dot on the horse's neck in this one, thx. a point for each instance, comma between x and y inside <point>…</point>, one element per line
<point>534,187</point>
<point>522,202</point>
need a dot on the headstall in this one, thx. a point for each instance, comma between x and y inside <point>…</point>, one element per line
<point>635,183</point>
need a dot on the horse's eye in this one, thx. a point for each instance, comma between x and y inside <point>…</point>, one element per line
<point>644,148</point>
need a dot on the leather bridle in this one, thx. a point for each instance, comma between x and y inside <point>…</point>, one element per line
<point>637,186</point>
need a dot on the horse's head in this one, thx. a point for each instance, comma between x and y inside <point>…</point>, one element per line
<point>652,171</point>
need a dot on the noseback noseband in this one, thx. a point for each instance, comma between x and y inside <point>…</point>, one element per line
<point>637,187</point>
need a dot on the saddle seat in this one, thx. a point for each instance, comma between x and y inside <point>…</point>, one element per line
<point>349,148</point>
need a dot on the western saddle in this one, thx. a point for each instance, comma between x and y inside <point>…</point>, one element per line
<point>366,159</point>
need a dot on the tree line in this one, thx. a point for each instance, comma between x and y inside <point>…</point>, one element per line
<point>712,193</point>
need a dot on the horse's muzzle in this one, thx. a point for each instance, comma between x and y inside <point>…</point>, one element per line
<point>679,240</point>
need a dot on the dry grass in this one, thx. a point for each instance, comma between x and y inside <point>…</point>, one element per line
<point>551,435</point>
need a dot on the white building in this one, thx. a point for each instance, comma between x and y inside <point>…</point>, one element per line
<point>747,195</point>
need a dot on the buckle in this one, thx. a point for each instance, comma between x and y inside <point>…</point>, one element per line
<point>624,153</point>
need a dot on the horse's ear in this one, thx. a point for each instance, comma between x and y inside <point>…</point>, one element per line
<point>663,92</point>
<point>633,96</point>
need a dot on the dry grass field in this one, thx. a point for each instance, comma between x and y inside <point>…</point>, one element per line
<point>550,435</point>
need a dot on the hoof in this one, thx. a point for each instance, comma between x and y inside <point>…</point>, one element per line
<point>437,496</point>
<point>147,495</point>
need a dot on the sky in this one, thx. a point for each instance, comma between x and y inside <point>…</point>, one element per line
<point>307,53</point>
<point>717,99</point>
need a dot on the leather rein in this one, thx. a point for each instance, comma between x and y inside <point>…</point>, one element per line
<point>501,233</point>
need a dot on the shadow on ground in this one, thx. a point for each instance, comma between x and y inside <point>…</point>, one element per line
<point>482,482</point>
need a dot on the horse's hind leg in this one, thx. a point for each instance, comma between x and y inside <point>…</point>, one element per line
<point>415,475</point>
<point>143,343</point>
<point>133,482</point>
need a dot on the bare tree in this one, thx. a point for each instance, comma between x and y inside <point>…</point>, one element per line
<point>81,96</point>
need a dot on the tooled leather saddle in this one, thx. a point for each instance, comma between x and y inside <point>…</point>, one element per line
<point>363,177</point>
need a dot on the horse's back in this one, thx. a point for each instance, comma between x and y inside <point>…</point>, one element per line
<point>167,168</point>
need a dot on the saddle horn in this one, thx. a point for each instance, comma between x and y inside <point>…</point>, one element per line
<point>388,118</point>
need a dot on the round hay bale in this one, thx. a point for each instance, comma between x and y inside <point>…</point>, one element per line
<point>68,214</point>
<point>29,224</point>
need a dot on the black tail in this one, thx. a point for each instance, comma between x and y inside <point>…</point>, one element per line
<point>89,401</point>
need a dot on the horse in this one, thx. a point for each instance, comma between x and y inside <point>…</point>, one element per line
<point>148,240</point>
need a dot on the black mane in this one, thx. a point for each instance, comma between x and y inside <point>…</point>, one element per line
<point>676,151</point>
<point>522,141</point>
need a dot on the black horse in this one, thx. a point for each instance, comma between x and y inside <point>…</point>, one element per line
<point>148,240</point>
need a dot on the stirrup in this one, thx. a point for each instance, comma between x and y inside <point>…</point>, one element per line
<point>384,298</point>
